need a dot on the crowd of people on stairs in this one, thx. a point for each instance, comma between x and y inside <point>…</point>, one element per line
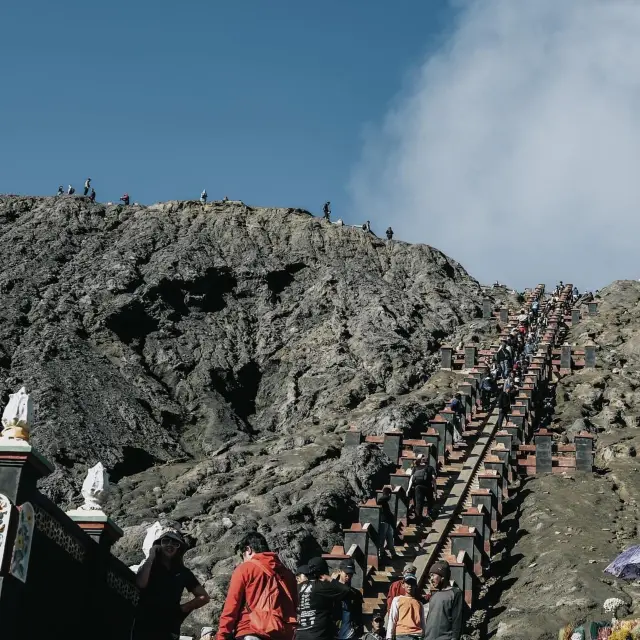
<point>514,356</point>
<point>266,601</point>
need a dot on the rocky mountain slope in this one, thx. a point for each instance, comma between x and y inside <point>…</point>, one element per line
<point>564,531</point>
<point>211,356</point>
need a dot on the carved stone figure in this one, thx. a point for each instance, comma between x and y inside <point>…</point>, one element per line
<point>153,533</point>
<point>95,488</point>
<point>17,416</point>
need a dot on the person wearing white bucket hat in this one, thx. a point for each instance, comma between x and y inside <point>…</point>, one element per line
<point>162,579</point>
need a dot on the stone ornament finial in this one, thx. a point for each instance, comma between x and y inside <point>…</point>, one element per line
<point>152,534</point>
<point>95,488</point>
<point>17,417</point>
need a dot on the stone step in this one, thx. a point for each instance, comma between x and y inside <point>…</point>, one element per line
<point>373,604</point>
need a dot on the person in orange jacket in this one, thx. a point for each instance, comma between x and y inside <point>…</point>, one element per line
<point>262,600</point>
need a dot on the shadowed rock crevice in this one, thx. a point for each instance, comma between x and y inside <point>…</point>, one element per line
<point>132,324</point>
<point>239,388</point>
<point>279,280</point>
<point>135,460</point>
<point>204,292</point>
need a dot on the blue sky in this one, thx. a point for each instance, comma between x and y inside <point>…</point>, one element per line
<point>261,100</point>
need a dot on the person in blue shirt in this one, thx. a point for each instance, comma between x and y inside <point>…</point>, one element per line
<point>535,305</point>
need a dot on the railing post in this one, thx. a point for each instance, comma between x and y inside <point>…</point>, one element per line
<point>584,452</point>
<point>392,445</point>
<point>544,460</point>
<point>446,357</point>
<point>352,438</point>
<point>470,359</point>
<point>590,356</point>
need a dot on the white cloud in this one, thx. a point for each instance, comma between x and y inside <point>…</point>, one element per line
<point>524,123</point>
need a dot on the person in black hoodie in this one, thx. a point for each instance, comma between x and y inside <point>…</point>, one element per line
<point>444,611</point>
<point>423,482</point>
<point>317,601</point>
<point>504,404</point>
<point>387,524</point>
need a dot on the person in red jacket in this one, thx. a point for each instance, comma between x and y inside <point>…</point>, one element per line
<point>262,600</point>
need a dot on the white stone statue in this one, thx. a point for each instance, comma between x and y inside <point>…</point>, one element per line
<point>95,488</point>
<point>153,533</point>
<point>17,416</point>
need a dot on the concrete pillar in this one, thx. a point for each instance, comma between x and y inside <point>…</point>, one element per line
<point>402,504</point>
<point>504,315</point>
<point>544,461</point>
<point>590,356</point>
<point>21,466</point>
<point>358,535</point>
<point>369,513</point>
<point>565,357</point>
<point>518,409</point>
<point>516,419</point>
<point>468,396</point>
<point>492,481</point>
<point>515,432</point>
<point>495,463</point>
<point>505,439</point>
<point>399,480</point>
<point>527,392</point>
<point>441,428</point>
<point>593,308</point>
<point>432,439</point>
<point>468,541</point>
<point>584,452</point>
<point>470,357</point>
<point>504,454</point>
<point>575,317</point>
<point>98,526</point>
<point>484,498</point>
<point>487,309</point>
<point>446,357</point>
<point>352,438</point>
<point>461,574</point>
<point>392,445</point>
<point>479,518</point>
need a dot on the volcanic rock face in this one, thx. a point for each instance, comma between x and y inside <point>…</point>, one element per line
<point>211,356</point>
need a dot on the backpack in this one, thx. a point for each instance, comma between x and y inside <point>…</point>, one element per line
<point>422,477</point>
<point>267,616</point>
